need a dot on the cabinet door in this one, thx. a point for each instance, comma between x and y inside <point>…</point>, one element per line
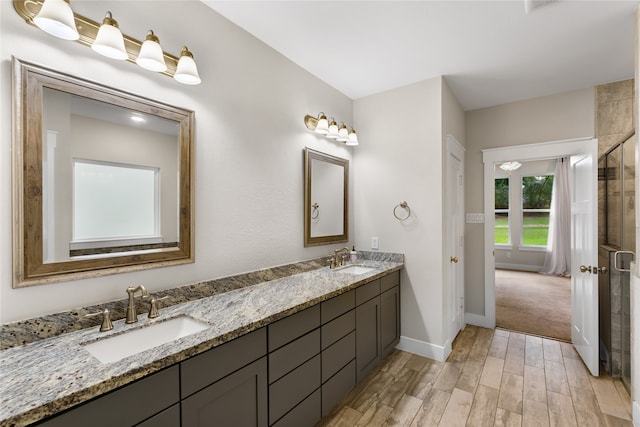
<point>389,319</point>
<point>125,406</point>
<point>367,337</point>
<point>239,399</point>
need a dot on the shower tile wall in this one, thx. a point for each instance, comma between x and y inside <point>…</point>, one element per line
<point>614,119</point>
<point>616,222</point>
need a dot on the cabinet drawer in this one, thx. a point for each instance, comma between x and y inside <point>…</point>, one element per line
<point>338,387</point>
<point>291,389</point>
<point>339,354</point>
<point>125,406</point>
<point>294,354</point>
<point>288,329</point>
<point>365,292</point>
<point>389,281</point>
<point>338,305</point>
<point>338,328</point>
<point>210,366</point>
<point>306,414</point>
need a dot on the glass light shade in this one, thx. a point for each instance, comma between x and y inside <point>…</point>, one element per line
<point>187,72</point>
<point>56,18</point>
<point>343,133</point>
<point>151,56</point>
<point>510,166</point>
<point>323,124</point>
<point>109,41</point>
<point>353,138</point>
<point>333,130</point>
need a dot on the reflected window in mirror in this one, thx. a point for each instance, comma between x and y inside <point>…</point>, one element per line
<point>102,179</point>
<point>326,198</point>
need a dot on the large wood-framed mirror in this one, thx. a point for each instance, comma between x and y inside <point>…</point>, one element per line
<point>102,179</point>
<point>326,196</point>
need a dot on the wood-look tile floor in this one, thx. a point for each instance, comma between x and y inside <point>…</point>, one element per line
<point>491,378</point>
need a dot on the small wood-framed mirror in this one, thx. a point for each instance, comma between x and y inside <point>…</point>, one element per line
<point>326,196</point>
<point>102,179</point>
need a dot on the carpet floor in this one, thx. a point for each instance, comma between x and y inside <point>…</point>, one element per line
<point>533,303</point>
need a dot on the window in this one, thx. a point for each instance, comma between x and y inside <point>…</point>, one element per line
<point>502,211</point>
<point>536,201</point>
<point>99,213</point>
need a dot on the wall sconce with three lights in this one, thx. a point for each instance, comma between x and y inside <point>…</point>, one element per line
<point>56,17</point>
<point>329,128</point>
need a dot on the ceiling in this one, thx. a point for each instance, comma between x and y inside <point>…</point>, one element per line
<point>490,52</point>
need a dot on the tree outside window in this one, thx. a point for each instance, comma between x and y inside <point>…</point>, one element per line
<point>502,211</point>
<point>536,202</point>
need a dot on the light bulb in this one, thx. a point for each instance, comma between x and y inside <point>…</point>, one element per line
<point>343,133</point>
<point>56,18</point>
<point>323,124</point>
<point>353,138</point>
<point>151,56</point>
<point>187,72</point>
<point>333,130</point>
<point>109,41</point>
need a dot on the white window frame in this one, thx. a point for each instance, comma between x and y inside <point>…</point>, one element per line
<point>89,243</point>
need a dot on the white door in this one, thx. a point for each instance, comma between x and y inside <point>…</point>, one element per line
<point>584,259</point>
<point>454,239</point>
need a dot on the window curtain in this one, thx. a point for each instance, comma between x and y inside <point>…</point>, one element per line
<point>558,256</point>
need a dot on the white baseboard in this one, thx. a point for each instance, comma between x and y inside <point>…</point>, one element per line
<point>521,267</point>
<point>425,349</point>
<point>475,319</point>
<point>636,414</point>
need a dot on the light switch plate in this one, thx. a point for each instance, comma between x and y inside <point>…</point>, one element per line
<point>374,243</point>
<point>475,218</point>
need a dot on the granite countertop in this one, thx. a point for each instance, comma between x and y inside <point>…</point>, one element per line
<point>45,377</point>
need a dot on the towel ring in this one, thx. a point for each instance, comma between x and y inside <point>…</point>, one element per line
<point>404,206</point>
<point>315,213</point>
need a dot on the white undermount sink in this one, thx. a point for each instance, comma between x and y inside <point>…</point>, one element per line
<point>354,269</point>
<point>116,347</point>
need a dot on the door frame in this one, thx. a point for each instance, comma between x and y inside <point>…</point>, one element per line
<point>491,156</point>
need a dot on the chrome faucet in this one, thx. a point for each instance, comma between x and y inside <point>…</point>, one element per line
<point>132,313</point>
<point>340,260</point>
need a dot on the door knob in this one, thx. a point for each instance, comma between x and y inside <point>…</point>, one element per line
<point>584,269</point>
<point>601,270</point>
<point>454,259</point>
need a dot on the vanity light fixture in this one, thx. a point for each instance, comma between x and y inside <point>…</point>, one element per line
<point>330,129</point>
<point>321,124</point>
<point>150,56</point>
<point>58,19</point>
<point>109,41</point>
<point>187,72</point>
<point>353,138</point>
<point>333,129</point>
<point>343,133</point>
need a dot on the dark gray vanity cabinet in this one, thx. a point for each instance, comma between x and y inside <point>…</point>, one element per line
<point>338,337</point>
<point>295,369</point>
<point>140,403</point>
<point>389,312</point>
<point>290,373</point>
<point>377,321</point>
<point>227,385</point>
